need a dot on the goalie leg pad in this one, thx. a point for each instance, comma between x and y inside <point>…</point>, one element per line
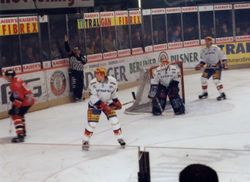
<point>156,110</point>
<point>173,90</point>
<point>162,92</point>
<point>177,105</point>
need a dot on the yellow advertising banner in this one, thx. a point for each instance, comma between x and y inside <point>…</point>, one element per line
<point>80,24</point>
<point>91,20</point>
<point>107,19</point>
<point>135,17</point>
<point>28,25</point>
<point>9,26</point>
<point>237,52</point>
<point>121,18</point>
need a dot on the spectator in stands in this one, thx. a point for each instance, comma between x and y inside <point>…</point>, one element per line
<point>55,51</point>
<point>147,39</point>
<point>136,40</point>
<point>162,36</point>
<point>198,173</point>
<point>15,60</point>
<point>175,36</point>
<point>238,31</point>
<point>204,31</point>
<point>109,43</point>
<point>29,56</point>
<point>4,62</point>
<point>90,49</point>
<point>224,31</point>
<point>156,37</point>
<point>123,41</point>
<point>189,33</point>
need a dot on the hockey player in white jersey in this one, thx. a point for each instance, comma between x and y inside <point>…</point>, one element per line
<point>103,98</point>
<point>215,60</point>
<point>164,82</point>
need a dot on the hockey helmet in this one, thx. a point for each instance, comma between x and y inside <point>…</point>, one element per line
<point>101,70</point>
<point>10,73</point>
<point>208,38</point>
<point>163,57</point>
<point>76,48</point>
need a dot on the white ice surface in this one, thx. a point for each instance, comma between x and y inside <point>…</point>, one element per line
<point>52,150</point>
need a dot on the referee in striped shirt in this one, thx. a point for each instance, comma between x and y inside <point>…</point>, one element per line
<point>76,61</point>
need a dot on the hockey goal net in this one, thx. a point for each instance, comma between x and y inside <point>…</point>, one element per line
<point>142,103</point>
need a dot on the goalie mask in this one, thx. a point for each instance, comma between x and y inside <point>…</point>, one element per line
<point>164,60</point>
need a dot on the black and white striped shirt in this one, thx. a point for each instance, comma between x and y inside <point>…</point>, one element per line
<point>76,63</point>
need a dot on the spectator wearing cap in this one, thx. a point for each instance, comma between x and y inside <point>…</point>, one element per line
<point>76,60</point>
<point>198,173</point>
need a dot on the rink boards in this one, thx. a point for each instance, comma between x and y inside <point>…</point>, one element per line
<point>51,84</point>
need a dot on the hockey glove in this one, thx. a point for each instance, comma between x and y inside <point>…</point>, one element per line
<point>13,111</point>
<point>224,64</point>
<point>199,66</point>
<point>116,105</point>
<point>12,98</point>
<point>153,91</point>
<point>105,108</point>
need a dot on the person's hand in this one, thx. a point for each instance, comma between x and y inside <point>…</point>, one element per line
<point>198,66</point>
<point>105,108</point>
<point>66,38</point>
<point>116,105</point>
<point>224,65</point>
<point>13,111</point>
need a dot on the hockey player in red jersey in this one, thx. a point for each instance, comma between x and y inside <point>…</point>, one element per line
<point>22,99</point>
<point>103,98</point>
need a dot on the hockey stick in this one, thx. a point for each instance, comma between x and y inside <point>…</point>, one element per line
<point>159,104</point>
<point>11,122</point>
<point>162,111</point>
<point>132,101</point>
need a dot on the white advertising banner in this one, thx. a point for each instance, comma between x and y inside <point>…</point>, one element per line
<point>35,81</point>
<point>45,85</point>
<point>53,83</point>
<point>127,69</point>
<point>57,83</point>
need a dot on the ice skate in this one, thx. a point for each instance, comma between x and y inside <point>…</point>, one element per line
<point>121,142</point>
<point>18,139</point>
<point>221,97</point>
<point>85,145</point>
<point>203,96</point>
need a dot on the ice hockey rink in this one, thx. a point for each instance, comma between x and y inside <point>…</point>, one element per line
<point>211,132</point>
